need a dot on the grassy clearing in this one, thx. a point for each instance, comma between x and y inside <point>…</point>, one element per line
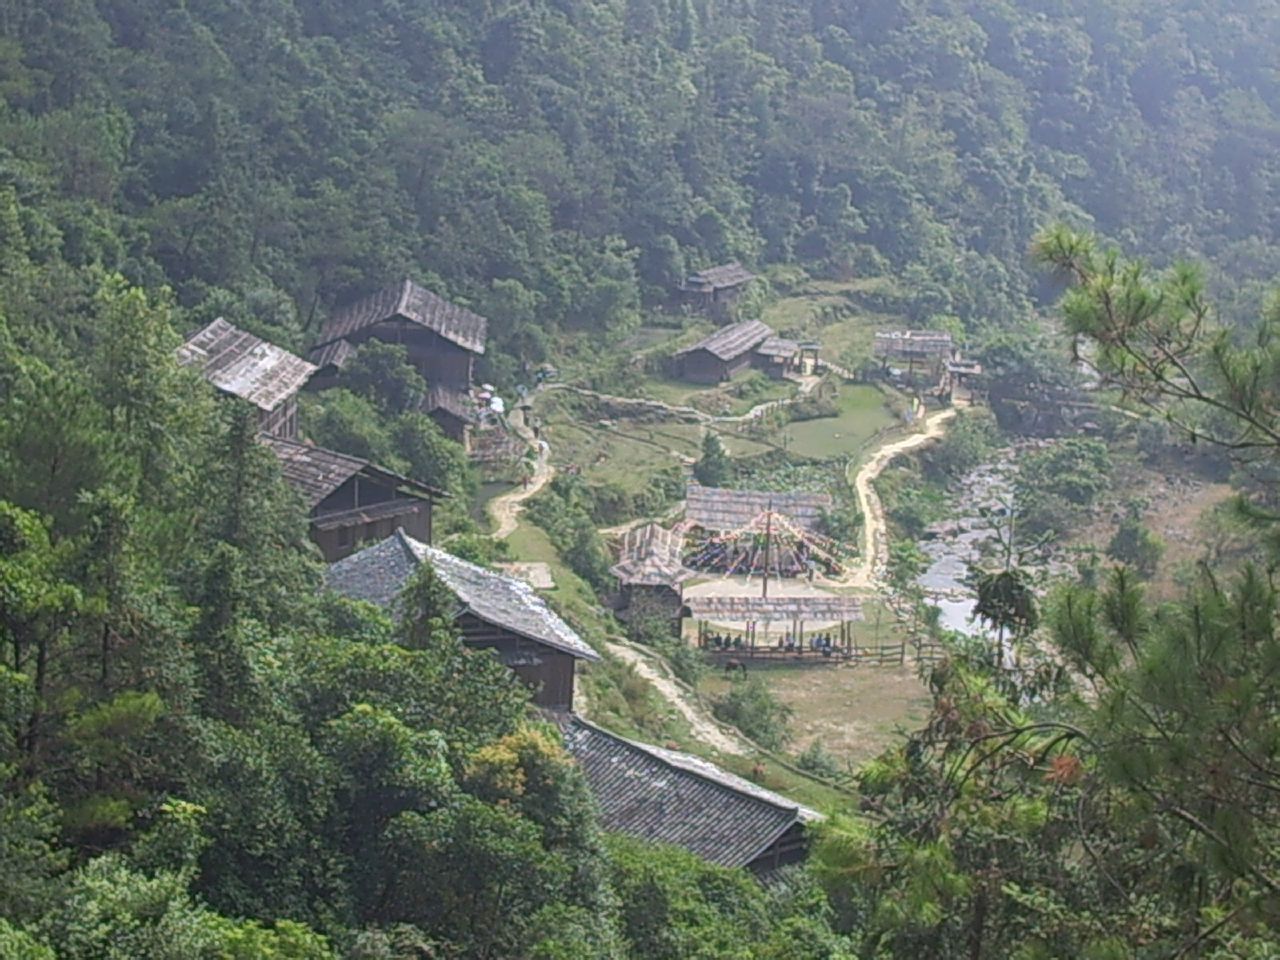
<point>626,455</point>
<point>864,412</point>
<point>855,712</point>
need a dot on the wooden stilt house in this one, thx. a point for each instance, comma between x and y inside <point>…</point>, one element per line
<point>716,291</point>
<point>724,354</point>
<point>352,501</point>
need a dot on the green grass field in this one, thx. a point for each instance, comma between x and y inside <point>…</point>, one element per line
<point>864,412</point>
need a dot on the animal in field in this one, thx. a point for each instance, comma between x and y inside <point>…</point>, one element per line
<point>735,664</point>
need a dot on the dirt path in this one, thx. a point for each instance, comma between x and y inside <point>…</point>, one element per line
<point>874,551</point>
<point>505,510</point>
<point>704,728</point>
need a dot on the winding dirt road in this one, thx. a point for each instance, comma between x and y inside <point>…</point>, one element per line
<point>874,552</point>
<point>505,510</point>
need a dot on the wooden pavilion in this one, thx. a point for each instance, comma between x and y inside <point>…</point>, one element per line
<point>242,365</point>
<point>664,796</point>
<point>724,354</point>
<point>808,623</point>
<point>650,573</point>
<point>717,289</point>
<point>495,612</point>
<point>350,500</point>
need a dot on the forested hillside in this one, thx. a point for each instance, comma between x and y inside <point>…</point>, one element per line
<point>558,164</point>
<point>204,756</point>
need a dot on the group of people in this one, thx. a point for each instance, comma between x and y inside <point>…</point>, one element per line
<point>817,643</point>
<point>723,641</point>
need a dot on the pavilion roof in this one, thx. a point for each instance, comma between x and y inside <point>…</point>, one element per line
<point>718,510</point>
<point>649,556</point>
<point>452,401</point>
<point>664,796</point>
<point>239,363</point>
<point>818,609</point>
<point>408,301</point>
<point>732,341</point>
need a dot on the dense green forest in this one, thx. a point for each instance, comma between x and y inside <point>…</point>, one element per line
<point>204,757</point>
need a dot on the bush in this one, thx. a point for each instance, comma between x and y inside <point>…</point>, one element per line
<point>751,707</point>
<point>816,760</point>
<point>1134,545</point>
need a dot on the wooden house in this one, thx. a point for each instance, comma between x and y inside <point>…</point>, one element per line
<point>351,501</point>
<point>650,574</point>
<point>495,612</point>
<point>724,354</point>
<point>441,339</point>
<point>664,796</point>
<point>715,291</point>
<point>242,365</point>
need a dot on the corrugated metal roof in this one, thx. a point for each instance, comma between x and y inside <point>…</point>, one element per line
<point>723,277</point>
<point>379,573</point>
<point>237,362</point>
<point>732,341</point>
<point>316,472</point>
<point>827,609</point>
<point>415,304</point>
<point>718,510</point>
<point>664,796</point>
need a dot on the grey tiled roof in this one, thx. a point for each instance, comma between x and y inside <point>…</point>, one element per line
<point>379,573</point>
<point>722,277</point>
<point>733,341</point>
<point>237,362</point>
<point>416,304</point>
<point>664,796</point>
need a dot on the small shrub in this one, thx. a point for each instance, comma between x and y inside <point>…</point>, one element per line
<point>751,707</point>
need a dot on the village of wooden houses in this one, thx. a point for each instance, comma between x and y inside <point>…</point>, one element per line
<point>751,579</point>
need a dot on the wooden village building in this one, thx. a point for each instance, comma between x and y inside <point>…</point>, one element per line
<point>724,354</point>
<point>664,796</point>
<point>242,365</point>
<point>495,612</point>
<point>929,349</point>
<point>650,574</point>
<point>351,501</point>
<point>716,290</point>
<point>442,340</point>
